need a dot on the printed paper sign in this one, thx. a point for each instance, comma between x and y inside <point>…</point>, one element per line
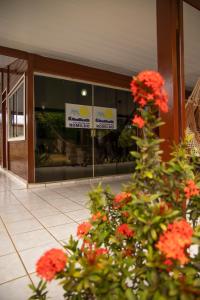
<point>105,118</point>
<point>78,116</point>
<point>83,116</point>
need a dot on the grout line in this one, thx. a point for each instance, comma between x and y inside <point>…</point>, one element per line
<point>44,227</point>
<point>14,279</point>
<point>17,251</point>
<point>59,209</point>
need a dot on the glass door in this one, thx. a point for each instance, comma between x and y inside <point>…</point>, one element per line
<point>112,140</point>
<point>63,148</point>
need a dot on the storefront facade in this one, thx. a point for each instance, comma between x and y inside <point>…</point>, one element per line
<point>62,120</point>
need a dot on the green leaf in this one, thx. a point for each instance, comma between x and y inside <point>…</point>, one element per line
<point>129,295</point>
<point>154,234</point>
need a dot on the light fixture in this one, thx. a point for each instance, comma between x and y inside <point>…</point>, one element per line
<point>83,92</point>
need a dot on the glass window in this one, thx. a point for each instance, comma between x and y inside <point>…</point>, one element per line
<point>16,112</point>
<point>81,130</point>
<point>62,151</point>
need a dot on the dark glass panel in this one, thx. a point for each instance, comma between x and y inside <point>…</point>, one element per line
<point>61,153</point>
<point>112,146</point>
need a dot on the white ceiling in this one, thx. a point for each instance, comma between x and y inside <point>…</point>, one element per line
<point>116,35</point>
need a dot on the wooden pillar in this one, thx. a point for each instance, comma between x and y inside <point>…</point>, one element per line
<point>30,120</point>
<point>171,66</point>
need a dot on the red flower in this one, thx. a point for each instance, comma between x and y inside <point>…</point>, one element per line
<point>139,121</point>
<point>147,87</point>
<point>125,214</point>
<point>92,253</point>
<point>121,199</point>
<point>151,79</point>
<point>168,262</point>
<point>51,263</point>
<point>104,218</point>
<point>175,240</point>
<point>125,230</point>
<point>83,229</point>
<point>96,216</point>
<point>101,251</point>
<point>191,189</point>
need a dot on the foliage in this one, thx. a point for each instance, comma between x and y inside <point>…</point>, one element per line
<point>139,244</point>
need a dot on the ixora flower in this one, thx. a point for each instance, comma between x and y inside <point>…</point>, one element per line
<point>122,198</point>
<point>99,216</point>
<point>92,253</point>
<point>147,87</point>
<point>125,230</point>
<point>83,229</point>
<point>191,189</point>
<point>51,263</point>
<point>138,121</point>
<point>175,240</point>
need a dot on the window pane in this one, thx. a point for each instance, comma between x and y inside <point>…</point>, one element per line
<point>16,115</point>
<point>61,152</point>
<point>20,122</point>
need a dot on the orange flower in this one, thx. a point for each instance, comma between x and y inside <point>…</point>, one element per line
<point>148,86</point>
<point>98,216</point>
<point>175,240</point>
<point>83,229</point>
<point>92,253</point>
<point>138,121</point>
<point>51,263</point>
<point>125,230</point>
<point>191,189</point>
<point>104,218</point>
<point>122,198</point>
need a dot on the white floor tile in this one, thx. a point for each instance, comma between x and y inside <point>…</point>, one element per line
<point>24,226</point>
<point>6,245</point>
<point>11,268</point>
<point>79,214</point>
<point>55,220</point>
<point>32,239</point>
<point>68,207</point>
<point>63,232</point>
<point>16,289</point>
<point>43,212</point>
<point>14,217</point>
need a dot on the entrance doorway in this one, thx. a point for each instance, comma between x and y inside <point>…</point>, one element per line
<point>82,130</point>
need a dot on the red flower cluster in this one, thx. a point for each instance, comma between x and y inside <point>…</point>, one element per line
<point>191,189</point>
<point>83,229</point>
<point>51,263</point>
<point>148,86</point>
<point>125,230</point>
<point>92,253</point>
<point>121,199</point>
<point>175,240</point>
<point>138,121</point>
<point>99,216</point>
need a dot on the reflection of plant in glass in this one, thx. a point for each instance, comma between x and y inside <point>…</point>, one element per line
<point>137,244</point>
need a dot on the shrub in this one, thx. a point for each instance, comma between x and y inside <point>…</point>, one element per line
<point>142,243</point>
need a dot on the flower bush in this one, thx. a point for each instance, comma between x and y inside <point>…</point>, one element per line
<point>142,243</point>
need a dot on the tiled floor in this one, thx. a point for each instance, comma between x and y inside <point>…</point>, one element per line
<point>33,221</point>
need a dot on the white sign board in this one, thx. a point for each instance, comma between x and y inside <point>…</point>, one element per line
<point>105,118</point>
<point>78,116</point>
<point>84,116</point>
